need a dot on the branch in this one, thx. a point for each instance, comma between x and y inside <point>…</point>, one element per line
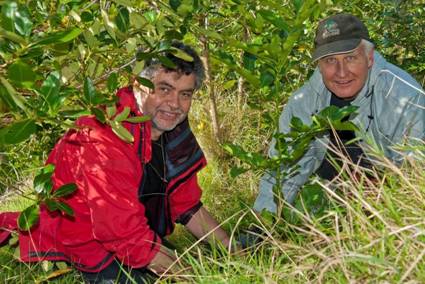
<point>12,36</point>
<point>106,75</point>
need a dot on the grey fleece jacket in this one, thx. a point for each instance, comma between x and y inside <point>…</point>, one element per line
<point>391,110</point>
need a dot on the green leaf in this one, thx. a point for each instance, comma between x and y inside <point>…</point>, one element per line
<point>138,68</point>
<point>297,4</point>
<point>8,12</point>
<point>138,119</point>
<point>210,34</point>
<point>300,147</point>
<point>236,171</point>
<point>266,78</point>
<point>122,115</point>
<point>164,45</point>
<point>249,76</point>
<point>12,36</point>
<point>275,19</point>
<point>173,34</point>
<point>126,3</point>
<point>52,205</point>
<point>122,20</point>
<point>121,132</point>
<point>112,82</point>
<point>99,114</point>
<point>50,91</point>
<point>46,265</point>
<point>65,190</point>
<point>86,16</point>
<point>23,24</point>
<point>249,61</point>
<point>29,217</point>
<point>346,125</point>
<point>49,168</point>
<point>137,20</point>
<point>167,62</point>
<point>229,84</point>
<point>100,99</point>
<point>16,18</point>
<point>312,199</point>
<point>19,131</point>
<point>150,16</point>
<point>59,37</point>
<point>145,82</point>
<point>254,159</point>
<point>181,54</point>
<point>297,124</point>
<point>230,148</point>
<point>61,265</point>
<point>111,111</point>
<point>347,111</point>
<point>330,112</point>
<point>43,184</point>
<point>75,113</point>
<point>185,8</point>
<point>109,25</point>
<point>65,208</point>
<point>10,96</point>
<point>89,91</point>
<point>174,4</point>
<point>226,58</point>
<point>140,55</point>
<point>17,253</point>
<point>91,40</point>
<point>21,74</point>
<point>14,240</point>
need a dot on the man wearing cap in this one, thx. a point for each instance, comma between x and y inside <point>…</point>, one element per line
<point>129,195</point>
<point>391,108</point>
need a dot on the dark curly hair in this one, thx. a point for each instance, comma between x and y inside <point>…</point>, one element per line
<point>195,66</point>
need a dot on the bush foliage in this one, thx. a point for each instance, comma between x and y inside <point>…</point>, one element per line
<point>63,59</point>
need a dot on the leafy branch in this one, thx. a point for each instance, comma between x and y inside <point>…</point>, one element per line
<point>290,148</point>
<point>46,195</point>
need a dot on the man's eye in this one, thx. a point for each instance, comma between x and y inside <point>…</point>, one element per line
<point>186,95</point>
<point>164,90</point>
<point>350,58</point>
<point>330,60</point>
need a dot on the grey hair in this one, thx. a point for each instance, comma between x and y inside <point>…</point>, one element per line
<point>195,66</point>
<point>368,47</point>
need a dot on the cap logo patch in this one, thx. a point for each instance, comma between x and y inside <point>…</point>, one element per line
<point>330,29</point>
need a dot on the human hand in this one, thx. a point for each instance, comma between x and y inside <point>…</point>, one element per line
<point>250,237</point>
<point>165,261</point>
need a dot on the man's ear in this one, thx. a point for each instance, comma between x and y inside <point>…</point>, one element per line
<point>371,58</point>
<point>318,67</point>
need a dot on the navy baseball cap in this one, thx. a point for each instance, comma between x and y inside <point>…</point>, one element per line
<point>340,33</point>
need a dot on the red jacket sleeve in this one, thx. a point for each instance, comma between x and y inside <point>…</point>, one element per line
<point>107,173</point>
<point>186,197</point>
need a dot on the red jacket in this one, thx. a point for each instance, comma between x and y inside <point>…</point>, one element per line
<point>110,221</point>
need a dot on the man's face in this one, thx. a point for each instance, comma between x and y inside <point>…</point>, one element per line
<point>169,102</point>
<point>345,74</point>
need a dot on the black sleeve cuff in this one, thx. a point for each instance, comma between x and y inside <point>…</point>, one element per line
<point>186,216</point>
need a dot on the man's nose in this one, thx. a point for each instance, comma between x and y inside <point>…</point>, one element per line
<point>173,100</point>
<point>341,68</point>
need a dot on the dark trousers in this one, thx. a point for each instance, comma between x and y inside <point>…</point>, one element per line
<point>119,273</point>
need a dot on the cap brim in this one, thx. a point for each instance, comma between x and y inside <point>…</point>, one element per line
<point>337,47</point>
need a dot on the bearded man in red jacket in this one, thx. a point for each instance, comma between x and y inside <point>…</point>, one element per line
<point>129,195</point>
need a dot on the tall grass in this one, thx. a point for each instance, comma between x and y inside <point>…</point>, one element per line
<point>372,231</point>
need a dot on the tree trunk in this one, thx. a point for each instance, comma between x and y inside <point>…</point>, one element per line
<point>241,81</point>
<point>209,83</point>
